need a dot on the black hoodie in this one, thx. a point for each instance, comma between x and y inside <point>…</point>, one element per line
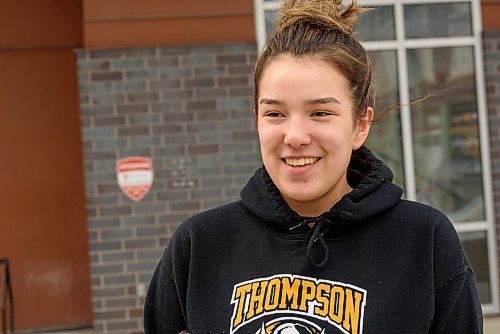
<point>372,264</point>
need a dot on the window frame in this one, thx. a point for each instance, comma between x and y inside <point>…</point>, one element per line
<point>401,45</point>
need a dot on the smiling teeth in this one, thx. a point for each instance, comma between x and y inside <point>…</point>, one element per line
<point>300,162</point>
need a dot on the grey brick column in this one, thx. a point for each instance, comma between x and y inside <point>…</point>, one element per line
<point>491,47</point>
<point>187,108</point>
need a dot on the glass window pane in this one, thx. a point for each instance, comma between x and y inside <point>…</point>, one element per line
<point>270,17</point>
<point>446,132</point>
<point>385,134</point>
<point>376,25</point>
<point>475,246</point>
<point>438,20</point>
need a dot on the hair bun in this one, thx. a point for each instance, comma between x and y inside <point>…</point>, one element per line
<point>330,14</point>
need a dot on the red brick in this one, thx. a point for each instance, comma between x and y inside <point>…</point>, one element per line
<point>134,131</point>
<point>136,313</point>
<point>234,81</point>
<point>132,108</point>
<point>203,104</point>
<point>231,59</point>
<point>107,315</point>
<point>203,149</point>
<point>199,82</point>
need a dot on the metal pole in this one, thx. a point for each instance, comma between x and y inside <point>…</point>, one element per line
<point>7,295</point>
<point>4,299</point>
<point>11,300</point>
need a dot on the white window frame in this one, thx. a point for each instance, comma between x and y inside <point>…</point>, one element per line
<point>400,45</point>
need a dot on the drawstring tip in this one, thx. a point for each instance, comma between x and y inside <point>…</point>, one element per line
<point>302,223</point>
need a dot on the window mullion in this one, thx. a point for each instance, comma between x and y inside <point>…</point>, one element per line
<point>404,93</point>
<point>485,153</point>
<point>440,42</point>
<point>471,226</point>
<point>260,24</point>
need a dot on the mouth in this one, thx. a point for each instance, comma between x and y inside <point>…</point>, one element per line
<point>299,162</point>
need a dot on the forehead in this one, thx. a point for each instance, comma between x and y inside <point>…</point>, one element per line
<point>313,62</point>
<point>304,76</point>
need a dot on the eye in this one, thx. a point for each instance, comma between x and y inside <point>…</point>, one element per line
<point>321,113</point>
<point>273,113</point>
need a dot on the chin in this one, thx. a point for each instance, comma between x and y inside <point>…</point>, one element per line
<point>299,196</point>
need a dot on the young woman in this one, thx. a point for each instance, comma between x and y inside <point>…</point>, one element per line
<point>321,241</point>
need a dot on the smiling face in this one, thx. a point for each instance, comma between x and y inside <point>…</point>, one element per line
<point>307,131</point>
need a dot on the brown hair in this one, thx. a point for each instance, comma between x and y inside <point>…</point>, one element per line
<point>322,29</point>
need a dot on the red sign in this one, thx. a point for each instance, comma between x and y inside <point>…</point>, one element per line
<point>135,176</point>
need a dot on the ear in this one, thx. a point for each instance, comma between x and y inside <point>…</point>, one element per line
<point>362,128</point>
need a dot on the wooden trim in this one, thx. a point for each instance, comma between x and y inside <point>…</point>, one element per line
<point>39,47</point>
<point>164,17</point>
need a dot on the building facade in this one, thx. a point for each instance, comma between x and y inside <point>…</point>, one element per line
<point>173,82</point>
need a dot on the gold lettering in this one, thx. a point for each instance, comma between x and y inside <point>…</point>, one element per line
<point>308,294</point>
<point>320,297</point>
<point>257,299</point>
<point>336,311</point>
<point>352,309</point>
<point>272,295</point>
<point>240,297</point>
<point>289,293</point>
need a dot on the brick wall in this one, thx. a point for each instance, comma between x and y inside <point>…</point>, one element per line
<point>491,47</point>
<point>189,109</point>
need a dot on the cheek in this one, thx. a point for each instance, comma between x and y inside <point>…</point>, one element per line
<point>268,137</point>
<point>335,140</point>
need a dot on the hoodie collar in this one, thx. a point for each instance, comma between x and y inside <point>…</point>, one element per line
<point>373,192</point>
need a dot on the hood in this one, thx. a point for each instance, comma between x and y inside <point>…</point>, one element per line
<point>373,193</point>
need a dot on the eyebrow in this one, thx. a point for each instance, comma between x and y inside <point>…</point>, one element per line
<point>266,100</point>
<point>323,100</point>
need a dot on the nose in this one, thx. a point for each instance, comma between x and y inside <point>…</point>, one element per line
<point>297,134</point>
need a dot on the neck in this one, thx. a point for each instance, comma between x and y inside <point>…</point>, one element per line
<point>318,206</point>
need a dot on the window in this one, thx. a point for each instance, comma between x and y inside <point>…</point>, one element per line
<point>438,148</point>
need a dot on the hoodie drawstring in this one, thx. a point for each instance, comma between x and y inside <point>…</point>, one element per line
<point>302,223</point>
<point>315,237</point>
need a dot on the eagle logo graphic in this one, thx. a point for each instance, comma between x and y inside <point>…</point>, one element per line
<point>289,326</point>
